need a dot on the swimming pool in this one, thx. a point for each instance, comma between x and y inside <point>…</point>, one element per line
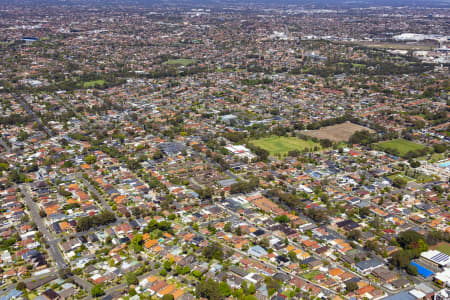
<point>445,164</point>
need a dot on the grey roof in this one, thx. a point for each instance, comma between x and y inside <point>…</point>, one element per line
<point>227,182</point>
<point>12,294</point>
<point>367,264</point>
<point>401,296</point>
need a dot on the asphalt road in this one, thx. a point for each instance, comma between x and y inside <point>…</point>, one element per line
<point>55,252</point>
<point>314,255</point>
<point>26,106</point>
<point>53,245</point>
<point>5,145</point>
<point>92,189</point>
<point>228,172</point>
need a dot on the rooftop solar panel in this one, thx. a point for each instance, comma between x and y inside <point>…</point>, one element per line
<point>440,257</point>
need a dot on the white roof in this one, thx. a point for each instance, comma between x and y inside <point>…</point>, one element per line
<point>417,294</point>
<point>444,276</point>
<point>437,257</point>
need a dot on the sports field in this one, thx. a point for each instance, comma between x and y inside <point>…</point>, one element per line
<point>443,247</point>
<point>91,84</point>
<point>180,61</point>
<point>401,145</point>
<point>280,145</point>
<point>398,46</point>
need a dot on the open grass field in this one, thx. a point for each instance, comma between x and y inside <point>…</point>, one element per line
<point>180,61</point>
<point>391,177</point>
<point>401,145</point>
<point>91,84</point>
<point>280,145</point>
<point>336,133</point>
<point>398,46</point>
<point>443,247</point>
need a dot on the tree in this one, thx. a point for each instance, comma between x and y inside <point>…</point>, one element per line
<point>244,287</point>
<point>42,213</point>
<point>402,258</point>
<point>17,177</point>
<point>211,228</point>
<point>225,289</point>
<point>251,289</point>
<point>86,223</point>
<point>21,286</point>
<point>158,155</point>
<point>167,297</point>
<point>213,250</point>
<point>90,159</point>
<point>64,273</point>
<point>407,238</point>
<point>351,286</point>
<point>372,245</point>
<point>399,182</point>
<point>292,256</point>
<point>131,278</point>
<point>3,167</point>
<point>97,291</point>
<point>412,270</point>
<point>238,231</point>
<point>227,227</point>
<point>438,189</point>
<point>244,187</point>
<point>167,265</point>
<point>197,273</point>
<point>363,137</point>
<point>414,163</point>
<point>209,289</point>
<point>264,242</point>
<point>282,219</point>
<point>354,235</point>
<point>205,194</point>
<point>272,285</point>
<point>136,243</point>
<point>182,270</point>
<point>364,212</point>
<point>439,148</point>
<point>23,135</point>
<point>318,215</point>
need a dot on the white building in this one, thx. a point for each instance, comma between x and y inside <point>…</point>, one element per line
<point>240,151</point>
<point>436,258</point>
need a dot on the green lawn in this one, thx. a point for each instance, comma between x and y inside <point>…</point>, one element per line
<point>31,296</point>
<point>180,61</point>
<point>280,145</point>
<point>422,178</point>
<point>91,84</point>
<point>391,177</point>
<point>443,247</point>
<point>310,275</point>
<point>401,145</point>
<point>433,157</point>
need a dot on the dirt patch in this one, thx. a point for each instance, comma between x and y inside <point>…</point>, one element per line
<point>337,133</point>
